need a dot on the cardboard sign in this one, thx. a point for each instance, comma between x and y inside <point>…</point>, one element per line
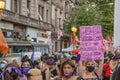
<point>91,42</point>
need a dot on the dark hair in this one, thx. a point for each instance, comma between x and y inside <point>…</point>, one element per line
<point>73,58</point>
<point>44,57</point>
<point>110,56</point>
<point>25,59</point>
<point>36,64</point>
<point>117,77</point>
<point>13,75</point>
<point>69,62</point>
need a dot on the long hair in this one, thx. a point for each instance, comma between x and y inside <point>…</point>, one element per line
<point>69,62</point>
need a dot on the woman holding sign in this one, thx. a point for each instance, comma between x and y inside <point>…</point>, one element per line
<point>90,70</point>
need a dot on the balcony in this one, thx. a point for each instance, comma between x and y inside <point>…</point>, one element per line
<point>24,20</point>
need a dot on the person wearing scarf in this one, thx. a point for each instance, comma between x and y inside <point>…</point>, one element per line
<point>26,65</point>
<point>12,72</point>
<point>68,71</point>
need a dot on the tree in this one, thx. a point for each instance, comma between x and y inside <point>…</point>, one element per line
<point>99,12</point>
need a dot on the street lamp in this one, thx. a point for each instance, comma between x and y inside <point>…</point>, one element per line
<point>74,29</point>
<point>2,5</point>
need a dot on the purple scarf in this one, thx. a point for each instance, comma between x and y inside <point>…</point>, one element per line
<point>10,69</point>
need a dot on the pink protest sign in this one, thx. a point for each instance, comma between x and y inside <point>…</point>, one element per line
<point>91,42</point>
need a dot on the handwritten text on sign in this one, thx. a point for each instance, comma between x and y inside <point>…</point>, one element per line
<point>90,42</point>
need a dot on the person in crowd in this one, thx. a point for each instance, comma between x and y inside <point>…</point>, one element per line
<point>68,71</point>
<point>12,72</point>
<point>106,67</point>
<point>114,65</point>
<point>3,63</point>
<point>54,67</point>
<point>90,70</point>
<point>43,61</point>
<point>117,76</point>
<point>50,69</point>
<point>34,74</point>
<point>44,67</point>
<point>36,64</point>
<point>26,65</point>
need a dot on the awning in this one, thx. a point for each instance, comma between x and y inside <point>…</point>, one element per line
<point>68,49</point>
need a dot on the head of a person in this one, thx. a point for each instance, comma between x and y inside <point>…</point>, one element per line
<point>44,57</point>
<point>116,57</point>
<point>3,63</point>
<point>34,74</point>
<point>36,64</point>
<point>68,68</point>
<point>110,55</point>
<point>50,61</point>
<point>12,72</point>
<point>26,64</point>
<point>90,65</point>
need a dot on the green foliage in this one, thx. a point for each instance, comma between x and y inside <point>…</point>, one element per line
<point>92,13</point>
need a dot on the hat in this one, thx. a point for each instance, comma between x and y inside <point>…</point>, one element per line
<point>34,72</point>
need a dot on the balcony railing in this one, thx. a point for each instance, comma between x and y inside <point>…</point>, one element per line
<point>24,20</point>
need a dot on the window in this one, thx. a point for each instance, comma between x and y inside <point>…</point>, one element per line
<point>60,45</point>
<point>59,22</point>
<point>8,5</point>
<point>55,46</point>
<point>41,11</point>
<point>28,4</point>
<point>46,15</point>
<point>55,17</point>
<point>39,8</point>
<point>15,6</point>
<point>7,33</point>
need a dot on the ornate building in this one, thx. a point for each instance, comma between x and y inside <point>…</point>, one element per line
<point>61,9</point>
<point>27,22</point>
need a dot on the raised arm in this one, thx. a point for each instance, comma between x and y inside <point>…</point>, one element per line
<point>81,68</point>
<point>99,71</point>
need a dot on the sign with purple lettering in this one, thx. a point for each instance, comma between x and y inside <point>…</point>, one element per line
<point>91,42</point>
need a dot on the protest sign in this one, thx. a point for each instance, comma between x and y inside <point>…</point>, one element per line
<point>91,42</point>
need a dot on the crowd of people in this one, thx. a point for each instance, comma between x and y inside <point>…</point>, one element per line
<point>56,67</point>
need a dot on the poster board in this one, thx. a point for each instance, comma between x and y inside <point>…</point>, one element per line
<point>91,42</point>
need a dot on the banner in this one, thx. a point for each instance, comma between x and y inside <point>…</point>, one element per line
<point>91,42</point>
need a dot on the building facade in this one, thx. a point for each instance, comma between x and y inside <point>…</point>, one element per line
<point>61,9</point>
<point>27,22</point>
